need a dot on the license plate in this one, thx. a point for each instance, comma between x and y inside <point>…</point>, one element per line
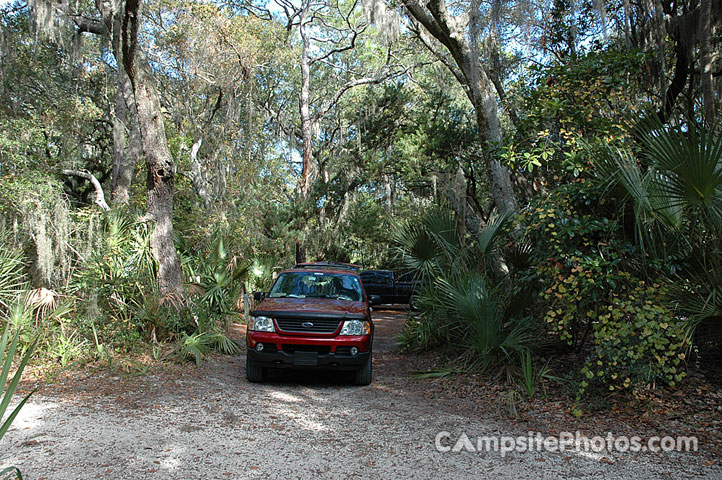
<point>305,359</point>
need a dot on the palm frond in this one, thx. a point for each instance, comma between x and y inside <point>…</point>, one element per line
<point>690,162</point>
<point>225,344</point>
<point>7,354</point>
<point>489,234</point>
<point>12,278</point>
<point>195,346</point>
<point>416,249</point>
<point>479,309</point>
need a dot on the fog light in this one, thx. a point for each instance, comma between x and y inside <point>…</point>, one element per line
<point>259,347</point>
<point>354,351</point>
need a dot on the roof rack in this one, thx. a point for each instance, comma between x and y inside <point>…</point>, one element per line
<point>329,266</point>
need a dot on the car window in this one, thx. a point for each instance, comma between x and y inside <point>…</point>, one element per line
<point>317,285</point>
<point>407,277</point>
<point>377,277</point>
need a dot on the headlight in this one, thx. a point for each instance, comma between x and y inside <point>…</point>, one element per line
<point>262,324</point>
<point>356,327</point>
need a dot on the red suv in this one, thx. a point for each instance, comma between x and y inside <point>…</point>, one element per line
<point>311,318</point>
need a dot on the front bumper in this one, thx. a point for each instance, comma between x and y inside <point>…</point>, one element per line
<point>328,361</point>
<point>295,351</point>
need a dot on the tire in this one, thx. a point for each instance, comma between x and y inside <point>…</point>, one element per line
<point>363,375</point>
<point>254,373</point>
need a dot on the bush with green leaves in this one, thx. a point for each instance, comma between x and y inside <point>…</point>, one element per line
<point>627,260</point>
<point>117,280</point>
<point>638,342</point>
<point>218,279</point>
<point>566,102</point>
<point>593,295</point>
<point>579,258</point>
<point>672,181</point>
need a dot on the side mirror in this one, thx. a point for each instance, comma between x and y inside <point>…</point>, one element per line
<point>374,300</point>
<point>259,296</point>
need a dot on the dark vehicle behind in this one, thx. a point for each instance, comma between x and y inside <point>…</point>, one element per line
<point>390,286</point>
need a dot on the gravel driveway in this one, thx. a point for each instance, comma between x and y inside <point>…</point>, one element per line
<point>209,422</point>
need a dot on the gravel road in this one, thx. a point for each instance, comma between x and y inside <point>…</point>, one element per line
<point>210,423</point>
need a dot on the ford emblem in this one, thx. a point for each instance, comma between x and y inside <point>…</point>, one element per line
<point>307,324</point>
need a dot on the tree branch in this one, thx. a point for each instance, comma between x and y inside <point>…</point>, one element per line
<point>89,25</point>
<point>348,86</point>
<point>435,18</point>
<point>350,46</point>
<point>99,195</point>
<point>453,68</point>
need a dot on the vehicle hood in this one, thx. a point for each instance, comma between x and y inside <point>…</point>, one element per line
<point>303,306</point>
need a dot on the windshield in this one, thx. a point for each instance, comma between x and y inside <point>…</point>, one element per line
<point>317,285</point>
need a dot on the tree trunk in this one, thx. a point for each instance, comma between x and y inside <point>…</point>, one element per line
<point>706,60</point>
<point>197,177</point>
<point>126,137</point>
<point>487,115</point>
<point>119,187</point>
<point>161,170</point>
<point>305,108</point>
<point>679,80</point>
<point>99,195</point>
<point>467,69</point>
<point>305,182</point>
<point>125,125</point>
<point>458,201</point>
<point>300,252</point>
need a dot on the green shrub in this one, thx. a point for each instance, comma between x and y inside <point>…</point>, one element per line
<point>598,294</point>
<point>637,342</point>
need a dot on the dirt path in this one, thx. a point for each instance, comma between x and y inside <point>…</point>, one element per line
<point>210,423</point>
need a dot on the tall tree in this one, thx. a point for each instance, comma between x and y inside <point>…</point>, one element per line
<point>707,60</point>
<point>159,162</point>
<point>211,64</point>
<point>127,147</point>
<point>329,30</point>
<point>126,136</point>
<point>121,18</point>
<point>460,35</point>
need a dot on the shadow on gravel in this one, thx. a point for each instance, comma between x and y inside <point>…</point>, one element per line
<point>310,378</point>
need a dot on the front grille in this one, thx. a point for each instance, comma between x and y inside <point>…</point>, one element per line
<point>318,325</point>
<point>321,350</point>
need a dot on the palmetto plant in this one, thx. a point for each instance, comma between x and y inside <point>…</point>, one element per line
<point>197,345</point>
<point>456,304</point>
<point>675,188</point>
<point>466,297</point>
<point>122,272</point>
<point>12,278</point>
<point>7,355</point>
<point>222,277</point>
<point>430,245</point>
